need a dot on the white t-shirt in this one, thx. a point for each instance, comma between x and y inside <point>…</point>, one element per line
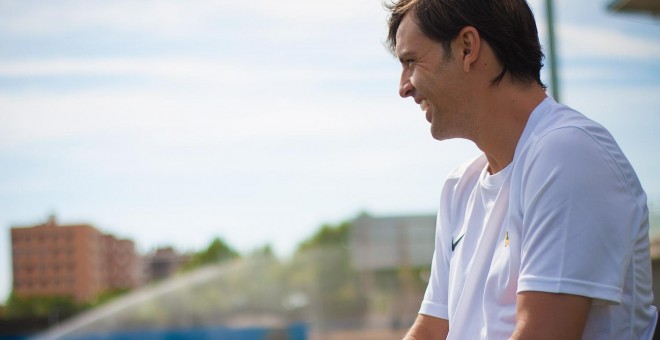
<point>568,215</point>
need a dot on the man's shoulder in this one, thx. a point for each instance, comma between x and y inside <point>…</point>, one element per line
<point>560,118</point>
<point>570,148</point>
<point>472,167</point>
<point>561,128</point>
<point>460,181</point>
<point>467,171</point>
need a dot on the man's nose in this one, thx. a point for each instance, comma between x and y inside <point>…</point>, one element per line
<point>405,86</point>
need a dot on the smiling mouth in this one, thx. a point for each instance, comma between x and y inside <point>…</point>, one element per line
<point>423,104</point>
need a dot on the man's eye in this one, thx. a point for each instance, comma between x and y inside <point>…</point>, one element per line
<point>410,63</point>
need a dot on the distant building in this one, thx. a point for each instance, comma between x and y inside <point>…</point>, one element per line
<point>70,260</point>
<point>122,263</point>
<point>162,263</point>
<point>396,245</point>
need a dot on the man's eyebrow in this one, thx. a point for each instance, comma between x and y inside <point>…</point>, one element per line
<point>405,54</point>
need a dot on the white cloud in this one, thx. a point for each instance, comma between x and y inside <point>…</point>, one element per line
<point>170,17</point>
<point>201,114</point>
<point>231,71</point>
<point>598,42</point>
<point>594,73</point>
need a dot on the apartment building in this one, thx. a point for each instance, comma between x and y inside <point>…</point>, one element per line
<point>70,260</point>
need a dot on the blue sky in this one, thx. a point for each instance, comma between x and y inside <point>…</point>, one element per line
<point>172,122</point>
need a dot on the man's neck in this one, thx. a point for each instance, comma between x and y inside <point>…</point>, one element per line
<point>505,113</point>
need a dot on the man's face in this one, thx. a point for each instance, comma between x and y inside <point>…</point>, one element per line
<point>434,79</point>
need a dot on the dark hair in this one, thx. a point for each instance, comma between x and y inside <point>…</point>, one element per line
<point>507,25</point>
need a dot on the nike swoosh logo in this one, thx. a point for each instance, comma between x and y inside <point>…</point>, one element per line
<point>454,244</point>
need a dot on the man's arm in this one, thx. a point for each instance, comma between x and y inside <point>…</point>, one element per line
<point>428,328</point>
<point>550,316</point>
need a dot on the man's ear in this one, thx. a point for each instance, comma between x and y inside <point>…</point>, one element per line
<point>469,44</point>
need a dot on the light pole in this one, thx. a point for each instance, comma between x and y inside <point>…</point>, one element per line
<point>554,82</point>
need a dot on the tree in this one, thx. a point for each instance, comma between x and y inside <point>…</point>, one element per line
<point>41,306</point>
<point>108,295</point>
<point>265,251</point>
<point>217,251</point>
<point>328,235</point>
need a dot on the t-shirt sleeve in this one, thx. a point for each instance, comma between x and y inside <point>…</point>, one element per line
<point>435,298</point>
<point>578,218</point>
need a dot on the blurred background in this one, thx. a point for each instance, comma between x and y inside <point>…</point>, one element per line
<point>246,170</point>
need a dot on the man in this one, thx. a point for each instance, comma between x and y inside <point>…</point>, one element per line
<point>545,235</point>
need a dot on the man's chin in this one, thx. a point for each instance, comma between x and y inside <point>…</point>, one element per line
<point>440,134</point>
